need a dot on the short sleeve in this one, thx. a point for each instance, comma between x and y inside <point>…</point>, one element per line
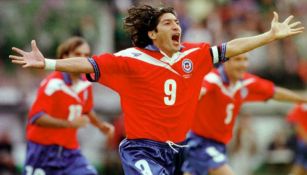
<point>294,114</point>
<point>260,90</point>
<point>42,105</point>
<point>109,70</point>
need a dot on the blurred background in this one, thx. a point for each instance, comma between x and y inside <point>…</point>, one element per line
<point>261,129</point>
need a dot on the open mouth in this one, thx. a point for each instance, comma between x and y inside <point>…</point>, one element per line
<point>176,38</point>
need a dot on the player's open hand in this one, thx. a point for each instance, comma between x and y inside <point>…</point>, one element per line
<point>32,59</point>
<point>285,28</point>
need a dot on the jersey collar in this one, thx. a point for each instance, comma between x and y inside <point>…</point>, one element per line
<point>67,78</point>
<point>152,47</point>
<point>166,58</point>
<point>223,74</point>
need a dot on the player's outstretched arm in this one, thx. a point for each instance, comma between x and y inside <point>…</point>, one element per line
<point>35,59</point>
<point>282,94</point>
<point>278,30</point>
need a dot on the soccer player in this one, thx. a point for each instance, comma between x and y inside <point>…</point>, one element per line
<point>298,116</point>
<point>63,104</point>
<point>223,92</point>
<point>158,81</point>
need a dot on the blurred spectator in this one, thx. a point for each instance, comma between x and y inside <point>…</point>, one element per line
<point>243,148</point>
<point>198,32</point>
<point>7,164</point>
<point>298,117</point>
<point>279,155</point>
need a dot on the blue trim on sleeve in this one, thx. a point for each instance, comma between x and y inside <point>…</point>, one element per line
<point>36,116</point>
<point>223,52</point>
<point>96,70</point>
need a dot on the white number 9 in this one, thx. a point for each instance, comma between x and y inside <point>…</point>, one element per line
<point>170,88</point>
<point>143,166</point>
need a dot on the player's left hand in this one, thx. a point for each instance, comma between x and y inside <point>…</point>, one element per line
<point>108,130</point>
<point>284,29</point>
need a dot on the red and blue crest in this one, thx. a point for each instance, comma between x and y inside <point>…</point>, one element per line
<point>187,65</point>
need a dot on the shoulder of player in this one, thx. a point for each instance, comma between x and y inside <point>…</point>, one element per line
<point>249,79</point>
<point>131,52</point>
<point>302,107</point>
<point>249,75</point>
<point>254,78</point>
<point>51,76</point>
<point>213,77</point>
<point>188,45</point>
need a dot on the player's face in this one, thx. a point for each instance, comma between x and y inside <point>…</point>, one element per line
<point>80,51</point>
<point>236,67</point>
<point>168,34</point>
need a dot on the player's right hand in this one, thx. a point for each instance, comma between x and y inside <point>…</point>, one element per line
<point>79,122</point>
<point>32,59</point>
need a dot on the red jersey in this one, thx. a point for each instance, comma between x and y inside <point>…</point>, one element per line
<point>218,108</point>
<point>298,115</point>
<point>58,98</point>
<point>158,93</point>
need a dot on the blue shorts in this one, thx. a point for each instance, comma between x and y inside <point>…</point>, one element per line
<point>147,157</point>
<point>301,154</point>
<point>203,154</point>
<point>55,160</point>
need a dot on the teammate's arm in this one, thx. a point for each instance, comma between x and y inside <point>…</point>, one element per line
<point>278,30</point>
<point>301,132</point>
<point>282,94</point>
<point>105,127</point>
<point>51,122</point>
<point>35,59</point>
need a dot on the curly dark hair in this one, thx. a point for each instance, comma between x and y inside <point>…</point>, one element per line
<point>141,20</point>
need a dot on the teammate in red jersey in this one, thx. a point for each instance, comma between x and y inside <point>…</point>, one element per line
<point>64,103</point>
<point>223,92</point>
<point>298,116</point>
<point>158,81</point>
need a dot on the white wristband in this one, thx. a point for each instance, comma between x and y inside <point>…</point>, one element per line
<point>50,64</point>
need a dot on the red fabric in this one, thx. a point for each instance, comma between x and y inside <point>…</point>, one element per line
<point>298,115</point>
<point>217,110</point>
<point>147,89</point>
<point>57,99</point>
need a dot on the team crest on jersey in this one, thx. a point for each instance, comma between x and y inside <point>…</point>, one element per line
<point>187,65</point>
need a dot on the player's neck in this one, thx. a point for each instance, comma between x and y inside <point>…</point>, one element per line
<point>165,50</point>
<point>74,77</point>
<point>232,81</point>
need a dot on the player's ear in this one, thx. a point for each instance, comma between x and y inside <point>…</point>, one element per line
<point>152,34</point>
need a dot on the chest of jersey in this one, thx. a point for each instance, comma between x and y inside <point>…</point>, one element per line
<point>66,101</point>
<point>164,81</point>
